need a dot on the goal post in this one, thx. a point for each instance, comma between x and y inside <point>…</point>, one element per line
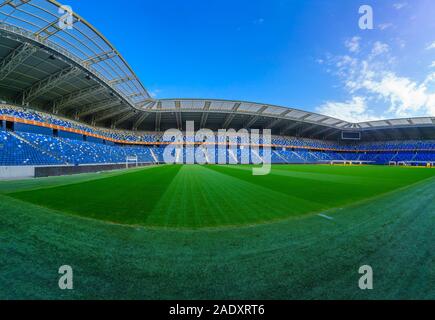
<point>131,161</point>
<point>340,162</point>
<point>423,164</point>
<point>350,162</point>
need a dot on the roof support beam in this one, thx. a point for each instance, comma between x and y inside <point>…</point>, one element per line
<point>111,115</point>
<point>148,104</point>
<point>251,122</point>
<point>273,123</point>
<point>95,108</point>
<point>255,118</point>
<point>52,28</point>
<point>231,116</point>
<point>204,116</point>
<point>15,59</point>
<point>69,99</point>
<point>100,57</point>
<point>49,30</point>
<point>322,132</point>
<point>141,119</point>
<point>290,127</point>
<point>179,120</point>
<point>178,115</point>
<point>204,119</point>
<point>228,120</point>
<point>46,84</point>
<point>125,118</point>
<point>135,95</point>
<point>332,133</point>
<point>115,82</point>
<point>309,128</point>
<point>158,121</point>
<point>13,3</point>
<point>7,2</point>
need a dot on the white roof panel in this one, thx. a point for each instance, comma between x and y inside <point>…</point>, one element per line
<point>222,105</point>
<point>274,110</point>
<point>316,118</point>
<point>331,121</point>
<point>379,124</point>
<point>250,107</point>
<point>168,104</point>
<point>422,121</point>
<point>364,125</point>
<point>342,124</point>
<point>399,122</point>
<point>192,104</point>
<point>296,114</point>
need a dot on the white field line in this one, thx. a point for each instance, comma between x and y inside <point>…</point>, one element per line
<point>325,216</point>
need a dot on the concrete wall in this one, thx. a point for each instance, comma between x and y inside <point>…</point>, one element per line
<point>17,172</point>
<point>41,172</point>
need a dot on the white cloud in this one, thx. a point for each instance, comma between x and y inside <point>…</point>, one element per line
<point>380,48</point>
<point>401,43</point>
<point>430,80</point>
<point>406,97</point>
<point>353,45</point>
<point>384,26</point>
<point>373,77</point>
<point>400,5</point>
<point>431,46</point>
<point>154,93</point>
<point>431,104</point>
<point>354,110</point>
<point>432,65</point>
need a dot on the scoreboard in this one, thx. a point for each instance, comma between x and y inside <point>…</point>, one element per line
<point>351,135</point>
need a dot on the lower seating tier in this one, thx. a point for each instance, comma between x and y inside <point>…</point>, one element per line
<point>24,148</point>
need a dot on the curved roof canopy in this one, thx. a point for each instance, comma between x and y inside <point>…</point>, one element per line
<point>76,72</point>
<point>36,42</point>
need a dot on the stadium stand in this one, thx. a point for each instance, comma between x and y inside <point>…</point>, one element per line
<point>37,138</point>
<point>15,151</point>
<point>34,141</point>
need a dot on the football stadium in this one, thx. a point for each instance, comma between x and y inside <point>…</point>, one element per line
<point>84,182</point>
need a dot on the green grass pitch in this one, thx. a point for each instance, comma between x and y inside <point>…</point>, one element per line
<point>218,232</point>
<point>216,196</point>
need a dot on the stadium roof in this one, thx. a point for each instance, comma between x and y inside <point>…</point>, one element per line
<point>51,60</point>
<point>76,72</point>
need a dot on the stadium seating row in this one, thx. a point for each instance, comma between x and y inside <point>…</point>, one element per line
<point>21,113</point>
<point>34,145</point>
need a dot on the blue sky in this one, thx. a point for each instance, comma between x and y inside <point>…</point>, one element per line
<point>307,54</point>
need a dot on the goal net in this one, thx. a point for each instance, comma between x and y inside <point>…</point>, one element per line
<point>349,162</point>
<point>426,164</point>
<point>131,162</point>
